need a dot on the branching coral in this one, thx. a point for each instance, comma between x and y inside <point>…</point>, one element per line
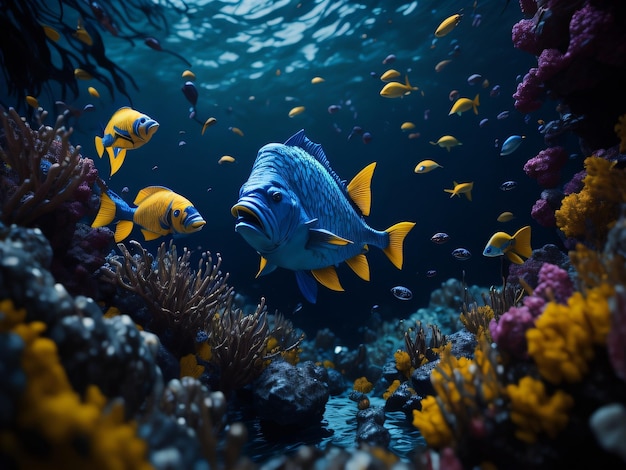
<point>563,339</point>
<point>534,412</point>
<point>40,170</point>
<point>589,214</point>
<point>238,344</point>
<point>418,351</point>
<point>465,388</point>
<point>180,298</point>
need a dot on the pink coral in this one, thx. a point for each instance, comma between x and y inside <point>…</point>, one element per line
<point>554,282</point>
<point>509,332</point>
<point>546,166</point>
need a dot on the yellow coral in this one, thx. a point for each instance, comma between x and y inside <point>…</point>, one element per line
<point>392,388</point>
<point>562,341</point>
<point>620,130</point>
<point>534,412</point>
<point>432,424</point>
<point>363,385</point>
<point>51,409</point>
<point>403,362</point>
<point>590,213</point>
<point>189,366</point>
<point>9,315</point>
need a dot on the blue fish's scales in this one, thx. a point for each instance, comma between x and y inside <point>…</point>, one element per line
<point>298,214</point>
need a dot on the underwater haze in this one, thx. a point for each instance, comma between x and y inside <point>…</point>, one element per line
<point>254,62</point>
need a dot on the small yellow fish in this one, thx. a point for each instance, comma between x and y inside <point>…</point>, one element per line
<point>81,33</point>
<point>127,129</point>
<point>295,111</point>
<point>447,25</point>
<point>208,123</point>
<point>515,247</point>
<point>93,92</point>
<point>397,89</point>
<point>159,212</point>
<point>316,80</point>
<point>226,159</point>
<point>461,188</point>
<point>447,142</point>
<point>189,75</point>
<point>32,101</point>
<point>236,130</point>
<point>407,126</point>
<point>389,75</point>
<point>51,33</point>
<point>505,217</point>
<point>82,74</point>
<point>426,165</point>
<point>465,104</point>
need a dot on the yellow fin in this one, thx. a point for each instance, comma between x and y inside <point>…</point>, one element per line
<point>148,235</point>
<point>99,146</point>
<point>468,194</point>
<point>123,229</point>
<point>359,189</point>
<point>514,258</point>
<point>262,264</point>
<point>359,265</point>
<point>522,242</point>
<point>106,213</point>
<point>397,233</point>
<point>116,160</point>
<point>148,191</point>
<point>328,278</point>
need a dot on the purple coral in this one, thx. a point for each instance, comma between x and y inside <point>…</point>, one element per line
<point>509,332</point>
<point>554,283</point>
<point>546,166</point>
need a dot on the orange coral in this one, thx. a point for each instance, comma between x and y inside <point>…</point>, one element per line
<point>403,362</point>
<point>363,385</point>
<point>392,388</point>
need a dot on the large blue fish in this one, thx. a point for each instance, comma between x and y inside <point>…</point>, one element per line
<point>298,214</point>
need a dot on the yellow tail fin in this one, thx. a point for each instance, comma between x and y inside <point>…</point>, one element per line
<point>476,104</point>
<point>522,242</point>
<point>106,213</point>
<point>397,233</point>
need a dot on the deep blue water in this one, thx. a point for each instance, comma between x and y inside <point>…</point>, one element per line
<point>236,49</point>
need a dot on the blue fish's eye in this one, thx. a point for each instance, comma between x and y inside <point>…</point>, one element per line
<point>176,212</point>
<point>142,120</point>
<point>277,197</point>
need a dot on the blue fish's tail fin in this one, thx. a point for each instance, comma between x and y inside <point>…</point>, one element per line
<point>111,207</point>
<point>476,103</point>
<point>397,233</point>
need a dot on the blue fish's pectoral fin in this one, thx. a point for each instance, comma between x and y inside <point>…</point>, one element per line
<point>321,237</point>
<point>307,286</point>
<point>264,268</point>
<point>123,229</point>
<point>148,235</point>
<point>116,157</point>
<point>360,266</point>
<point>359,189</point>
<point>397,233</point>
<point>328,278</point>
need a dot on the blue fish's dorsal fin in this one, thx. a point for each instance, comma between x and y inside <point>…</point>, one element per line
<point>307,286</point>
<point>316,151</point>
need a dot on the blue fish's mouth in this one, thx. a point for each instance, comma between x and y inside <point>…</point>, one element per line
<point>193,221</point>
<point>248,213</point>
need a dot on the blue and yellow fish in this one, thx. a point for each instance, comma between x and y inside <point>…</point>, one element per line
<point>127,129</point>
<point>298,214</point>
<point>159,212</point>
<point>515,247</point>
